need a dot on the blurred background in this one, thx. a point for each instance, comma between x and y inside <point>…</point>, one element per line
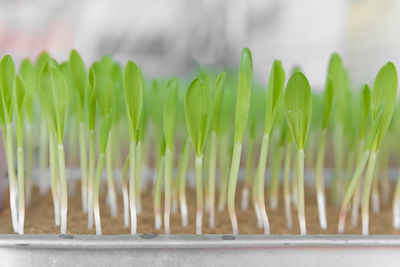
<point>172,37</point>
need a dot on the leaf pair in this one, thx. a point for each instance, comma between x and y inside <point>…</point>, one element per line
<point>275,87</point>
<point>298,107</point>
<point>243,95</point>
<point>133,89</point>
<point>54,98</point>
<point>198,112</point>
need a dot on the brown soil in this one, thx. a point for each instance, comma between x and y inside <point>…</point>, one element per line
<point>40,219</point>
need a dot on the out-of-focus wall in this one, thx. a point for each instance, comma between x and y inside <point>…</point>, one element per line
<point>170,37</point>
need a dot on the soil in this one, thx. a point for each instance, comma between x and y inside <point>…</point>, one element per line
<point>39,218</point>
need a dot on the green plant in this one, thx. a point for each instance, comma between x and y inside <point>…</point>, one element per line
<point>133,99</point>
<point>298,115</point>
<point>198,112</point>
<point>241,115</point>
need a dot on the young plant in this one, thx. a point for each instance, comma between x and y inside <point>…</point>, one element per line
<point>241,114</point>
<point>319,165</point>
<point>133,99</point>
<point>7,78</point>
<point>169,114</point>
<point>91,99</point>
<point>54,95</point>
<point>30,75</point>
<point>181,179</point>
<point>19,102</point>
<point>198,112</point>
<point>365,109</point>
<point>104,97</point>
<point>79,79</point>
<point>298,115</point>
<point>158,186</point>
<point>217,105</point>
<point>383,101</point>
<point>275,88</point>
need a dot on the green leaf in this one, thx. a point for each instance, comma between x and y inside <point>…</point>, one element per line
<point>365,108</point>
<point>169,112</point>
<point>198,105</point>
<point>79,77</point>
<point>384,93</point>
<point>298,107</point>
<point>133,96</point>
<point>104,87</point>
<point>243,95</point>
<point>104,132</point>
<point>7,78</point>
<point>275,87</point>
<point>374,127</point>
<point>19,101</point>
<point>218,100</point>
<point>30,75</point>
<point>54,94</point>
<point>327,102</point>
<point>92,99</point>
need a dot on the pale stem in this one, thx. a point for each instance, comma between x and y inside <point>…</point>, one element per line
<point>275,179</point>
<point>396,204</point>
<point>53,178</point>
<point>367,192</point>
<point>96,193</point>
<point>354,183</point>
<point>132,191</point>
<point>261,182</point>
<point>356,196</point>
<point>83,165</point>
<point>199,193</point>
<point>375,191</point>
<point>254,194</point>
<point>43,159</point>
<point>63,187</point>
<point>9,134</point>
<point>29,164</point>
<point>157,192</point>
<point>125,192</point>
<point>286,185</point>
<point>21,193</point>
<point>138,181</point>
<point>249,172</point>
<point>112,195</point>
<point>182,182</point>
<point>233,177</point>
<point>300,193</point>
<point>92,166</point>
<point>211,178</point>
<point>319,181</point>
<point>167,188</point>
<point>224,168</point>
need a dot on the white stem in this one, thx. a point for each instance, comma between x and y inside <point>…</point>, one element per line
<point>396,214</point>
<point>125,198</point>
<point>157,221</point>
<point>132,192</point>
<point>321,210</point>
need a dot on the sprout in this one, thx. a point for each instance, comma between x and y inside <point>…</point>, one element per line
<point>7,77</point>
<point>298,115</point>
<point>79,79</point>
<point>383,101</point>
<point>198,106</point>
<point>241,115</point>
<point>169,114</point>
<point>19,105</point>
<point>54,97</point>
<point>275,88</point>
<point>133,99</point>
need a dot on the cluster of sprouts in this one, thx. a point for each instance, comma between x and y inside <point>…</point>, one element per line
<point>119,119</point>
